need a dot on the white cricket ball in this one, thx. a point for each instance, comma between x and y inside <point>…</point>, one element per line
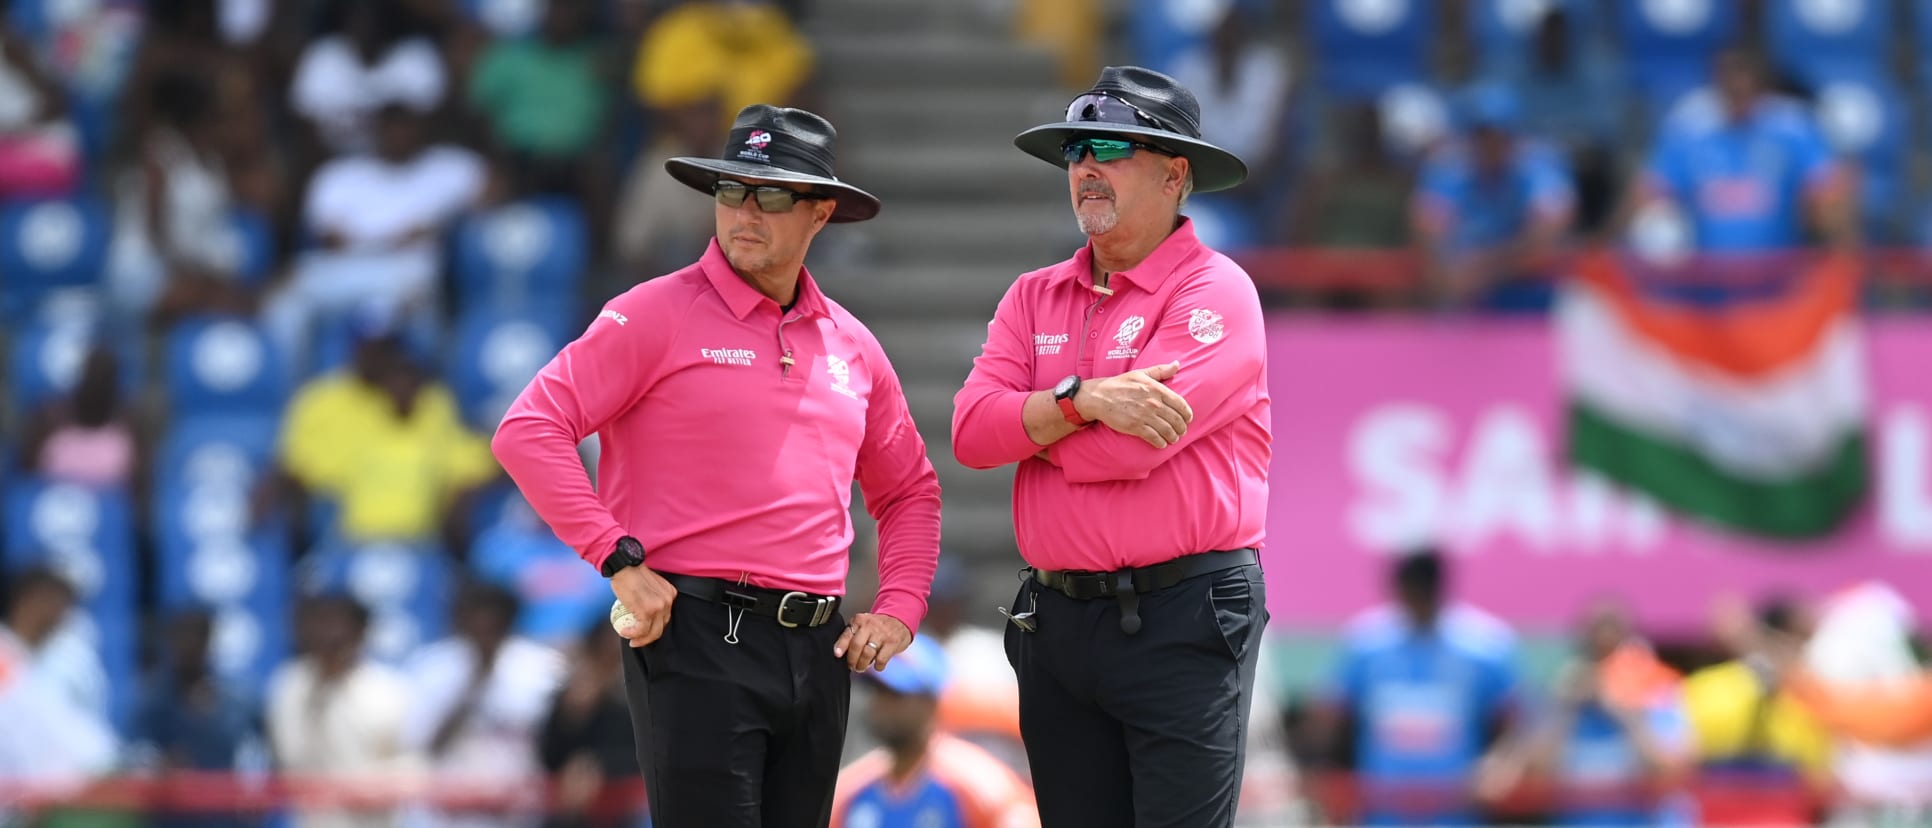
<point>620,615</point>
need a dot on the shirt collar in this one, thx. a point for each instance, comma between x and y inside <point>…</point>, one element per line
<point>742,298</point>
<point>1178,247</point>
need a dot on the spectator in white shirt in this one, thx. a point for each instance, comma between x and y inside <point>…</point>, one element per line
<point>54,733</point>
<point>377,222</point>
<point>370,58</point>
<point>46,740</point>
<point>172,248</point>
<point>1241,80</point>
<point>335,716</point>
<point>479,701</point>
<point>41,619</point>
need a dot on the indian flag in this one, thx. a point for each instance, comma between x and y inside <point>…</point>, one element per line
<point>1749,413</point>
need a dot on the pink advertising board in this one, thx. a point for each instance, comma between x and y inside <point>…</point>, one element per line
<point>1395,432</point>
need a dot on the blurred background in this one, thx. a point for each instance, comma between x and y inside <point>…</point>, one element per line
<point>1603,472</point>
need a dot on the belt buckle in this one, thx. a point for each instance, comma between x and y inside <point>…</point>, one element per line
<point>782,604</point>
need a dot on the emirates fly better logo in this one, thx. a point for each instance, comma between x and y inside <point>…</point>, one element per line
<point>728,356</point>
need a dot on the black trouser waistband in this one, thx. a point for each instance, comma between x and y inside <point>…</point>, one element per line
<point>1127,585</point>
<point>1085,586</point>
<point>790,608</point>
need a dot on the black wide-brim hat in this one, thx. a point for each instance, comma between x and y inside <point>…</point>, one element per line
<point>1131,101</point>
<point>772,143</point>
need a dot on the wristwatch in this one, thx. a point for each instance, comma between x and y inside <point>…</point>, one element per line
<point>1063,394</point>
<point>628,553</point>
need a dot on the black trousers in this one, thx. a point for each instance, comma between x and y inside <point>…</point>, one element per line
<point>744,735</point>
<point>1146,730</point>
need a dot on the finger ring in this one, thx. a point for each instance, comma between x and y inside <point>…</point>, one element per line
<point>873,644</point>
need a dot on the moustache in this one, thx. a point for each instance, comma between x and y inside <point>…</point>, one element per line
<point>1096,188</point>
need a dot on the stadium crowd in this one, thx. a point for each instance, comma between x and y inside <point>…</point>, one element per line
<point>271,271</point>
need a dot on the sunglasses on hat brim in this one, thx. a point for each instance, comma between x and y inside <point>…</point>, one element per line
<point>770,199</point>
<point>1106,149</point>
<point>1104,108</point>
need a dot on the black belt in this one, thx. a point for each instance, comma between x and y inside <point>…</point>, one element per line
<point>790,608</point>
<point>1127,585</point>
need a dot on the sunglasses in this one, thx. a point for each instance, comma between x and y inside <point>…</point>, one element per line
<point>1105,149</point>
<point>1107,109</point>
<point>770,199</point>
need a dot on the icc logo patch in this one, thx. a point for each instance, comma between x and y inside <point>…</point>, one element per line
<point>1205,326</point>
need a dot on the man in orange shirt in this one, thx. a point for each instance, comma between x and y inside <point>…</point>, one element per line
<point>921,778</point>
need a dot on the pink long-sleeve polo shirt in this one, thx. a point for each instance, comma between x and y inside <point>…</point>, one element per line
<point>1102,500</point>
<point>731,432</point>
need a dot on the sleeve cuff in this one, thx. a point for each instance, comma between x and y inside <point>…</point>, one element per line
<point>909,609</point>
<point>1009,425</point>
<point>600,548</point>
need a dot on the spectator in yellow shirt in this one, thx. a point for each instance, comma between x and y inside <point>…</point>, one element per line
<point>736,52</point>
<point>384,442</point>
<point>1751,730</point>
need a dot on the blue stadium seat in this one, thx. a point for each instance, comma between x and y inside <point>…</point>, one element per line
<point>48,354</point>
<point>1863,114</point>
<point>322,514</point>
<point>407,589</point>
<point>335,341</point>
<point>243,578</point>
<point>49,245</point>
<point>1503,30</point>
<point>529,250</point>
<point>496,353</point>
<point>1668,46</point>
<point>38,21</point>
<point>1163,30</point>
<point>1816,37</point>
<point>221,365</point>
<point>1415,117</point>
<point>225,450</point>
<point>97,117</point>
<point>31,19</point>
<point>1363,47</point>
<point>492,506</point>
<point>1922,41</point>
<point>505,18</point>
<point>252,246</point>
<point>87,535</point>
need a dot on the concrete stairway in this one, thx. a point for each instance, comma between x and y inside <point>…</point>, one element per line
<point>927,96</point>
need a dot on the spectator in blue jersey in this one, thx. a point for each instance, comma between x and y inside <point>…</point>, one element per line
<point>1491,209</point>
<point>920,778</point>
<point>1741,170</point>
<point>559,596</point>
<point>191,720</point>
<point>1420,704</point>
<point>1615,744</point>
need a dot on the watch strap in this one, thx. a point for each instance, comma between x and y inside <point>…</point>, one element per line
<point>1065,400</point>
<point>1067,410</point>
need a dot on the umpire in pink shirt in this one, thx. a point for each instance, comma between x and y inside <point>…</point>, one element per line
<point>735,404</point>
<point>1128,386</point>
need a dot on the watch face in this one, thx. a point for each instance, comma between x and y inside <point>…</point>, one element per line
<point>1065,386</point>
<point>628,553</point>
